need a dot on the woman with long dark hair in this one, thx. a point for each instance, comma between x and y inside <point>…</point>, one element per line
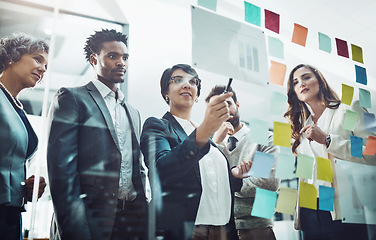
<point>317,118</point>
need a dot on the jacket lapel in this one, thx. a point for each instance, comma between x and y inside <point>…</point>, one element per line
<point>93,91</point>
<point>179,131</point>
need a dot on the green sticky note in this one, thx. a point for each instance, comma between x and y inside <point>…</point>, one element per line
<point>282,134</point>
<point>304,168</point>
<point>258,131</point>
<point>286,202</point>
<point>252,14</point>
<point>307,196</point>
<point>209,4</point>
<point>350,120</point>
<point>275,47</point>
<point>278,103</point>
<point>364,98</point>
<point>325,43</point>
<point>357,53</point>
<point>264,203</point>
<point>285,166</point>
<point>347,94</point>
<point>324,169</point>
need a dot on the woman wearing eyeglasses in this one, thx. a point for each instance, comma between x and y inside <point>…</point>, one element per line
<point>194,176</point>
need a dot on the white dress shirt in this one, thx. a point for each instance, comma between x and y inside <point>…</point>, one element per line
<point>215,202</point>
<point>123,133</point>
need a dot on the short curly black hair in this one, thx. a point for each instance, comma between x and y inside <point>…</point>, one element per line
<point>94,43</point>
<point>13,47</point>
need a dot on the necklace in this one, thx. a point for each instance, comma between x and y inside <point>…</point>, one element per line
<point>15,100</point>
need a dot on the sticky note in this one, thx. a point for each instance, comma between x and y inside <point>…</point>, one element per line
<point>277,72</point>
<point>307,196</point>
<point>324,169</point>
<point>252,13</point>
<point>304,167</point>
<point>286,201</point>
<point>350,120</point>
<point>264,203</point>
<point>258,131</point>
<point>299,35</point>
<point>357,53</point>
<point>276,48</point>
<point>364,98</point>
<point>285,166</point>
<point>262,165</point>
<point>342,49</point>
<point>361,75</point>
<point>209,4</point>
<point>371,146</point>
<point>278,103</point>
<point>356,146</point>
<point>347,94</point>
<point>369,122</point>
<point>325,43</point>
<point>326,198</point>
<point>272,21</point>
<point>282,134</point>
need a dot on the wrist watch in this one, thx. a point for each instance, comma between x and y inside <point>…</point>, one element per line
<point>327,141</point>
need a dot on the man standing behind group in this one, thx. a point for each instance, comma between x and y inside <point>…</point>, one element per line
<point>94,162</point>
<point>233,139</point>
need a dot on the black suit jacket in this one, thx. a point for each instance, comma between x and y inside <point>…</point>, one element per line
<point>177,163</point>
<point>83,161</point>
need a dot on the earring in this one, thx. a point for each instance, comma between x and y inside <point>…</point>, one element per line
<point>167,99</point>
<point>196,101</point>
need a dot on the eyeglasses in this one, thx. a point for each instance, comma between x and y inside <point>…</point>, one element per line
<point>179,80</point>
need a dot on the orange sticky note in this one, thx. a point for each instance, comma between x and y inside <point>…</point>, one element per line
<point>277,73</point>
<point>371,146</point>
<point>299,35</point>
<point>307,196</point>
<point>324,169</point>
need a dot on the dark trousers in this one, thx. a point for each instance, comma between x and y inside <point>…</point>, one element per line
<point>131,222</point>
<point>318,225</point>
<point>256,234</point>
<point>10,223</point>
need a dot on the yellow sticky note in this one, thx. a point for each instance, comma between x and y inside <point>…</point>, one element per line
<point>357,53</point>
<point>307,196</point>
<point>286,202</point>
<point>347,94</point>
<point>324,169</point>
<point>282,134</point>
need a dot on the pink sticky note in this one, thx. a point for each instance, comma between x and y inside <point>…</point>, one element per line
<point>277,72</point>
<point>342,49</point>
<point>272,21</point>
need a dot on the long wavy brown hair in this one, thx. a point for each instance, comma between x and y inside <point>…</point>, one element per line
<point>297,112</point>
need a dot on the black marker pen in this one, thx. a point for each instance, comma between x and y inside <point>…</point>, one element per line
<point>228,85</point>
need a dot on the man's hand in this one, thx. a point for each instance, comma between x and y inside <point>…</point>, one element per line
<point>225,129</point>
<point>29,185</point>
<point>242,169</point>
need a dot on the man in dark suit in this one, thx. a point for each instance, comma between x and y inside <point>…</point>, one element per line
<point>95,169</point>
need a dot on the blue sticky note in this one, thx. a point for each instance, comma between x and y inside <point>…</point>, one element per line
<point>258,131</point>
<point>356,146</point>
<point>326,198</point>
<point>252,13</point>
<point>209,4</point>
<point>262,165</point>
<point>278,103</point>
<point>276,47</point>
<point>264,203</point>
<point>361,75</point>
<point>364,98</point>
<point>285,166</point>
<point>370,122</point>
<point>325,43</point>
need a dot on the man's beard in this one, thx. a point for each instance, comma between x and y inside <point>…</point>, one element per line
<point>235,121</point>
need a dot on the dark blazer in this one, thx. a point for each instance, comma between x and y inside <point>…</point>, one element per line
<point>83,160</point>
<point>177,164</point>
<point>13,154</point>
